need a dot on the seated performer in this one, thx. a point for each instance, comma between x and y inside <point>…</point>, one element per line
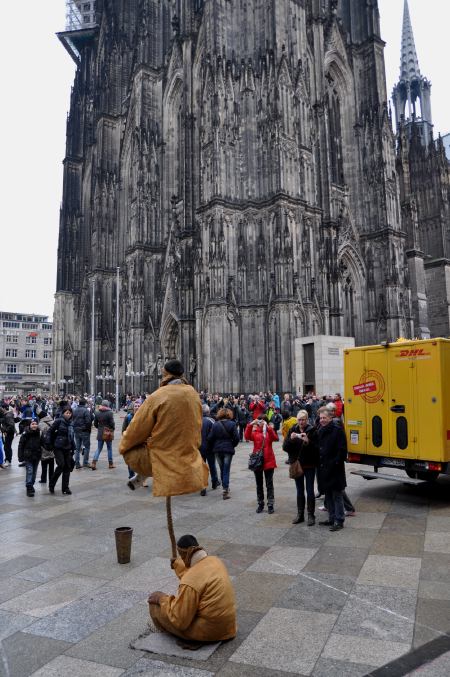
<point>204,608</point>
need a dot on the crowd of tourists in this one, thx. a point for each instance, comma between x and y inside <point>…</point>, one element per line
<point>56,434</point>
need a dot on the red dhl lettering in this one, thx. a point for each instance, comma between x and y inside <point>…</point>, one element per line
<point>418,352</point>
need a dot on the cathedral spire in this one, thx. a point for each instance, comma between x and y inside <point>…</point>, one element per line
<point>411,95</point>
<point>409,63</point>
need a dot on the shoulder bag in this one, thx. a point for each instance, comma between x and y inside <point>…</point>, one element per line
<point>256,458</point>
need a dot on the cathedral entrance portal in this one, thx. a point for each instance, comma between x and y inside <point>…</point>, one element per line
<point>170,342</point>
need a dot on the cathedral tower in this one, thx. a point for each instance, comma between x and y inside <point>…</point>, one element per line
<point>236,161</point>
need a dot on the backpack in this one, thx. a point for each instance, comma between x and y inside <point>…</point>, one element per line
<point>48,439</point>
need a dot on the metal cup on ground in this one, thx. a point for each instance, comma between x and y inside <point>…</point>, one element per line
<point>123,544</point>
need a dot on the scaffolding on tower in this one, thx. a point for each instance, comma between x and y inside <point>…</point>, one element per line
<point>81,25</point>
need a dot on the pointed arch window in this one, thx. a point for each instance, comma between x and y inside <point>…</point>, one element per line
<point>335,130</point>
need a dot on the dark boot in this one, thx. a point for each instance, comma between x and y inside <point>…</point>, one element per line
<point>311,508</point>
<point>300,510</point>
<point>260,507</point>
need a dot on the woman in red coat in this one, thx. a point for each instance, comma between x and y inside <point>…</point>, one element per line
<point>262,434</point>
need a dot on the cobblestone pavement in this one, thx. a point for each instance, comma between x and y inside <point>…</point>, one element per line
<point>310,602</point>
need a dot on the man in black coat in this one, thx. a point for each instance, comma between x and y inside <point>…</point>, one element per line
<point>333,452</point>
<point>82,426</point>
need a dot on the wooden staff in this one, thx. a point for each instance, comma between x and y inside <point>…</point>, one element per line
<point>170,527</point>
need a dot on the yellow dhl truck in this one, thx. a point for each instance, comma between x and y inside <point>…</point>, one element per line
<point>397,408</point>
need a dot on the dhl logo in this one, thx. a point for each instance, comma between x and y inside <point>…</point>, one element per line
<point>418,352</point>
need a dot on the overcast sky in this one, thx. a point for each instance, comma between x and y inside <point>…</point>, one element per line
<point>37,74</point>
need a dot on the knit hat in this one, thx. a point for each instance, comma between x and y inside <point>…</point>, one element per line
<point>174,367</point>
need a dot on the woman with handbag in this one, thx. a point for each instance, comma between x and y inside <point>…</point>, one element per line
<point>222,439</point>
<point>104,422</point>
<point>263,434</point>
<point>303,451</point>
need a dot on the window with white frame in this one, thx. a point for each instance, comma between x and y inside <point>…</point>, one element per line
<point>48,341</point>
<point>47,354</point>
<point>11,352</point>
<point>31,339</point>
<point>31,368</point>
<point>11,368</point>
<point>12,338</point>
<point>47,369</point>
<point>30,353</point>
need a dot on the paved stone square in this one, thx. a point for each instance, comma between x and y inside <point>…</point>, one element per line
<point>310,602</point>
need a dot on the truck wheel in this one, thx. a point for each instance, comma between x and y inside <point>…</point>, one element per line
<point>427,476</point>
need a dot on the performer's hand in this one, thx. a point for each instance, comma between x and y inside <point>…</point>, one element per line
<point>155,597</point>
<point>172,562</point>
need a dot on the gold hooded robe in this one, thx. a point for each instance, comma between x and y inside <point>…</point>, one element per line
<point>163,438</point>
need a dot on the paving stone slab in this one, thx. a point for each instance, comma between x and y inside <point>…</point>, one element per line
<point>110,644</point>
<point>241,670</point>
<point>328,667</point>
<point>58,566</point>
<point>151,668</point>
<point>379,613</point>
<point>11,623</point>
<point>166,645</point>
<point>276,640</point>
<point>337,560</point>
<point>352,538</point>
<point>397,543</point>
<point>23,654</point>
<point>77,620</point>
<point>48,598</point>
<point>15,566</point>
<point>435,567</point>
<point>437,541</point>
<point>405,524</point>
<point>65,665</point>
<point>283,560</point>
<point>434,590</point>
<point>143,577</point>
<point>390,571</point>
<point>365,520</point>
<point>434,614</point>
<point>11,587</point>
<point>324,593</point>
<point>256,591</point>
<point>355,649</point>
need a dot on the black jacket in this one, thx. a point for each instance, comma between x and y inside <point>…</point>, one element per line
<point>62,434</point>
<point>82,419</point>
<point>103,419</point>
<point>307,454</point>
<point>30,445</point>
<point>223,437</point>
<point>207,424</point>
<point>333,452</point>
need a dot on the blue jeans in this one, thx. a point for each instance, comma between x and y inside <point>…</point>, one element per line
<point>31,470</point>
<point>82,440</point>
<point>210,459</point>
<point>100,447</point>
<point>224,461</point>
<point>308,479</point>
<point>335,504</point>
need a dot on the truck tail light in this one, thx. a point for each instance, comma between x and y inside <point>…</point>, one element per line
<point>435,466</point>
<point>354,458</point>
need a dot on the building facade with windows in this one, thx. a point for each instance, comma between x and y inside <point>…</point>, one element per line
<point>238,162</point>
<point>26,349</point>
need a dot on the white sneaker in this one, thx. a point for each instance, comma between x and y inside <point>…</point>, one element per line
<point>322,508</point>
<point>135,482</point>
<point>6,464</point>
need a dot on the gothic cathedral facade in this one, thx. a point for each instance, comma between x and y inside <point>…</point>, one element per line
<point>236,161</point>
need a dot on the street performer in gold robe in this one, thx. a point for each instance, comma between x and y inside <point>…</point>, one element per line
<point>204,608</point>
<point>163,438</point>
